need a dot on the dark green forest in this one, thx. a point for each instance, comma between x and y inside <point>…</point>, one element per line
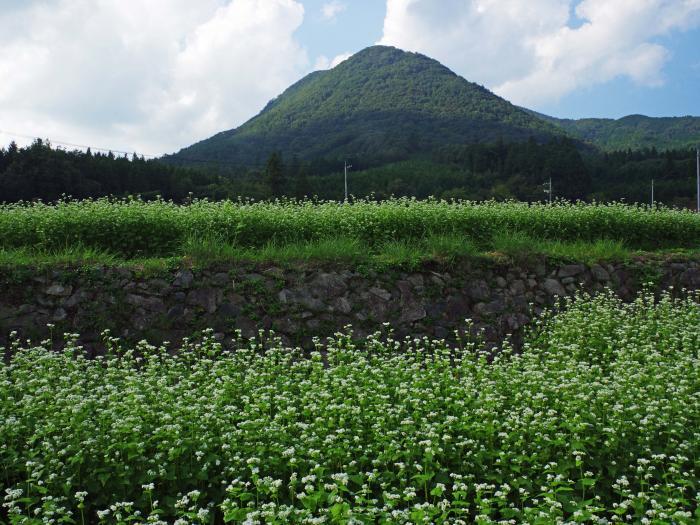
<point>478,171</point>
<point>40,172</point>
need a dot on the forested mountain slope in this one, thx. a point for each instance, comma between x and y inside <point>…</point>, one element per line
<point>633,132</point>
<point>382,103</point>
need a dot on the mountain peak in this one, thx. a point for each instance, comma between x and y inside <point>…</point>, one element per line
<point>388,54</point>
<point>380,49</point>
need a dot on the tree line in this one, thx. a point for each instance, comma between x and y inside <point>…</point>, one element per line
<point>472,171</point>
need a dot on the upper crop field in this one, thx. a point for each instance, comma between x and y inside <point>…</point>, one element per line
<point>136,228</point>
<point>596,421</point>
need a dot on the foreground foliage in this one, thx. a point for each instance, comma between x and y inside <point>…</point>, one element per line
<point>597,419</point>
<point>159,228</point>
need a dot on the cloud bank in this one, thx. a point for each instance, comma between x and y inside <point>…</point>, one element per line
<point>536,51</point>
<point>152,76</point>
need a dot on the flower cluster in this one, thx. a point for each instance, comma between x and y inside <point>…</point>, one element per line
<point>597,420</point>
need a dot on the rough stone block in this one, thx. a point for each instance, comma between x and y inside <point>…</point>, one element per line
<point>59,290</point>
<point>479,290</point>
<point>553,287</point>
<point>183,279</point>
<point>383,294</point>
<point>571,270</point>
<point>599,273</point>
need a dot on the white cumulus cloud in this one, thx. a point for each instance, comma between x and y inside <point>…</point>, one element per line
<point>536,51</point>
<point>323,62</point>
<point>330,10</point>
<point>146,76</point>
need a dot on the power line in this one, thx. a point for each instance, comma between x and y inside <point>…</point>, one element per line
<point>72,145</point>
<point>165,157</point>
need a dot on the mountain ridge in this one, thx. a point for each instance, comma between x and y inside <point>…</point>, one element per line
<point>635,131</point>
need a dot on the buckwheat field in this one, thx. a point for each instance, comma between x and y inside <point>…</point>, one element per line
<point>596,420</point>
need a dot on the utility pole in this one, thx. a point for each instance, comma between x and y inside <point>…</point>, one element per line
<point>652,193</point>
<point>697,164</point>
<point>347,167</point>
<point>548,189</point>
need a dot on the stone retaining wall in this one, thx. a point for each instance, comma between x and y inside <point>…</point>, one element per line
<point>302,302</point>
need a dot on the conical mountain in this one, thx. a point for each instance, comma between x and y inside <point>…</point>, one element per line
<point>380,104</point>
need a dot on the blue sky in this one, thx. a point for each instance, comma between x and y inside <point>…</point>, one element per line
<point>679,95</point>
<point>359,25</point>
<point>156,76</point>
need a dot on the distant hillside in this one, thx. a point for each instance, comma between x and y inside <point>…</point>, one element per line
<point>383,104</point>
<point>632,132</point>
